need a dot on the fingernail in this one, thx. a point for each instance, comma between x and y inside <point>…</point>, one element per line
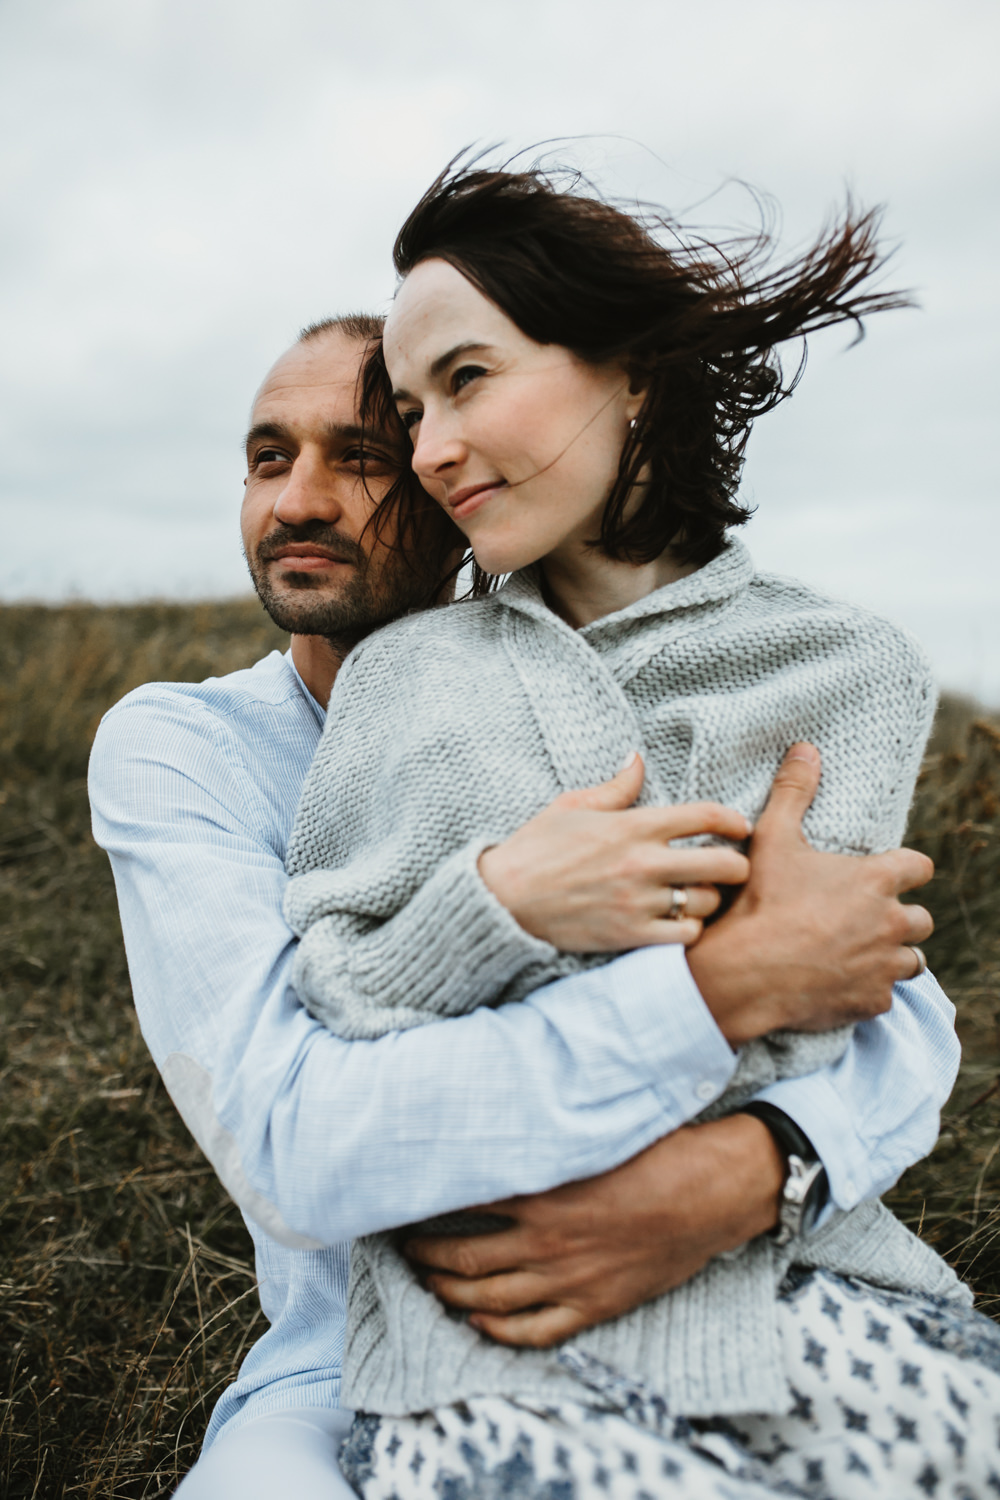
<point>808,753</point>
<point>629,760</point>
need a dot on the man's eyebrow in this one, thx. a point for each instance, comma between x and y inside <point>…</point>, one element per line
<point>276,432</point>
<point>442,362</point>
<point>261,430</point>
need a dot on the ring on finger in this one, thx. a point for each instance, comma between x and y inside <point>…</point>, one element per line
<point>921,958</point>
<point>678,903</point>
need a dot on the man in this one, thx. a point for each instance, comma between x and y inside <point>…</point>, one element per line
<point>319,1140</point>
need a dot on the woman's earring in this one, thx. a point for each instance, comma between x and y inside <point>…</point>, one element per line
<point>632,425</point>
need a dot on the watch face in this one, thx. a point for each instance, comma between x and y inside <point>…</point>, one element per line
<point>803,1196</point>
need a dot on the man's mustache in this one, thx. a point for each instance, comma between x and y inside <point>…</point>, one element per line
<point>343,548</point>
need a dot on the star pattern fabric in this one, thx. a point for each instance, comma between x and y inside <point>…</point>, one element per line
<point>889,1396</point>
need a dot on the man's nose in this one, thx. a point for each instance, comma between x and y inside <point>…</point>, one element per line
<point>311,493</point>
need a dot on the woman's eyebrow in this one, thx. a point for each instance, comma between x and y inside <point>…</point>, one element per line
<point>442,362</point>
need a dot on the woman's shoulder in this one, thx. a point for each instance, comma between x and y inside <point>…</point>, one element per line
<point>420,644</point>
<point>861,635</point>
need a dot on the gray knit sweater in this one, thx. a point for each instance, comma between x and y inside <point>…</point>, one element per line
<point>446,732</point>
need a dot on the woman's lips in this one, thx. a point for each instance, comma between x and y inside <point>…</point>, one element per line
<point>464,502</point>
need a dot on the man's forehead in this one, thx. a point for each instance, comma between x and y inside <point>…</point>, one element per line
<point>321,374</point>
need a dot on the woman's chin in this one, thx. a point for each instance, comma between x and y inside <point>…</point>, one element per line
<point>500,560</point>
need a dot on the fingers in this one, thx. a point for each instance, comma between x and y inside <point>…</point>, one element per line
<point>614,795</point>
<point>702,900</point>
<point>919,924</point>
<point>469,1256</point>
<point>658,934</point>
<point>687,819</point>
<point>792,792</point>
<point>504,1294</point>
<point>531,1330</point>
<point>695,867</point>
<point>905,869</point>
<point>912,962</point>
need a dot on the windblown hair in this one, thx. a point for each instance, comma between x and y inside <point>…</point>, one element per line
<point>695,323</point>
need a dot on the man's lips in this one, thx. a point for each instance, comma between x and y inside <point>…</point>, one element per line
<point>303,558</point>
<point>463,502</point>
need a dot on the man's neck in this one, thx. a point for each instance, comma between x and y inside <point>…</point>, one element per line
<point>317,660</point>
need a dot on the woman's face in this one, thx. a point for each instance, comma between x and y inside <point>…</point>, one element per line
<point>519,441</point>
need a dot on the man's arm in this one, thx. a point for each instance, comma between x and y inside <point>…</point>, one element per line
<point>319,1139</point>
<point>874,1113</point>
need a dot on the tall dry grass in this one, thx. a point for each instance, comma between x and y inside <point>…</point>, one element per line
<point>126,1292</point>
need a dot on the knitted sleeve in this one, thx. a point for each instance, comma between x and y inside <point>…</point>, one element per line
<point>396,927</point>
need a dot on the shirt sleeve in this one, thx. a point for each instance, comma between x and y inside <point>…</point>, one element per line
<point>319,1139</point>
<point>874,1113</point>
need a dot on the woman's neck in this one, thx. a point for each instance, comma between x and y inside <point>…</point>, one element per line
<point>583,585</point>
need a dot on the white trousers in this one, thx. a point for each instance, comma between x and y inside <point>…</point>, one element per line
<point>289,1454</point>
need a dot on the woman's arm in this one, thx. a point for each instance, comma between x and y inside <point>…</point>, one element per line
<point>398,926</point>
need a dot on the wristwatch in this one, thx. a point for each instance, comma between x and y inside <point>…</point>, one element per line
<point>807,1186</point>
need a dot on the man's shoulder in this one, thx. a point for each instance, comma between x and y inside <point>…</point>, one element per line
<point>260,711</point>
<point>270,684</point>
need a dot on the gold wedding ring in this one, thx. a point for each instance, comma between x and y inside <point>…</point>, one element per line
<point>678,905</point>
<point>921,960</point>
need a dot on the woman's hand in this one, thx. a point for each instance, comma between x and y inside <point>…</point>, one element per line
<point>593,874</point>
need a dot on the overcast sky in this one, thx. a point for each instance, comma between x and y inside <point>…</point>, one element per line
<point>185,184</point>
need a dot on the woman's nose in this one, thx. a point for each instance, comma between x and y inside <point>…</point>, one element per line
<point>438,447</point>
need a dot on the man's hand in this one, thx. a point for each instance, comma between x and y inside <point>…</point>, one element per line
<point>812,940</point>
<point>593,874</point>
<point>589,1251</point>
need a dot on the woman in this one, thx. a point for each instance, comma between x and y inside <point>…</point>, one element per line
<point>578,398</point>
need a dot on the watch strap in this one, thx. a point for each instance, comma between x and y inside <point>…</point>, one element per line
<point>807,1186</point>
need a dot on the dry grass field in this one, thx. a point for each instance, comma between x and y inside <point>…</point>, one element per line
<point>126,1294</point>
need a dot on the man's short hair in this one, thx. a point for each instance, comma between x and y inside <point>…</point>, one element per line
<point>361,326</point>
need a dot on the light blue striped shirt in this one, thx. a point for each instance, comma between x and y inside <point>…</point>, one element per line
<point>194,790</point>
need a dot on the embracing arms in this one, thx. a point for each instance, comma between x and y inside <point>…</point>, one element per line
<point>592,1250</point>
<point>321,1139</point>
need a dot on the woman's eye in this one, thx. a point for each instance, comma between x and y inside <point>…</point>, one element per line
<point>410,419</point>
<point>464,374</point>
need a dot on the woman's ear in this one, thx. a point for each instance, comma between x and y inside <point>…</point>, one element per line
<point>638,387</point>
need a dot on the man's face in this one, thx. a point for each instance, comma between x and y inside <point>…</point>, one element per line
<point>316,569</point>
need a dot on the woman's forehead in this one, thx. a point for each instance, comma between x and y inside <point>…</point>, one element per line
<point>435,309</point>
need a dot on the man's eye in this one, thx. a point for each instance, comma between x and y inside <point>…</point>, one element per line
<point>464,374</point>
<point>374,459</point>
<point>270,456</point>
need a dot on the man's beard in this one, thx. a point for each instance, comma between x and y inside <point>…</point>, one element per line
<point>368,597</point>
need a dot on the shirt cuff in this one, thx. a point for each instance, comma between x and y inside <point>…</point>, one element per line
<point>819,1111</point>
<point>673,1032</point>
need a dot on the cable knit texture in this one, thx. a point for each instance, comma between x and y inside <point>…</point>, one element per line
<point>446,732</point>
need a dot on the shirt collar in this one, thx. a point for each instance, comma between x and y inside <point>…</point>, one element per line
<point>314,703</point>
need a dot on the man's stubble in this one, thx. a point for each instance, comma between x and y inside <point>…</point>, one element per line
<point>372,594</point>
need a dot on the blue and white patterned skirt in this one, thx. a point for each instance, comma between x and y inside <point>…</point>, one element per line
<point>892,1396</point>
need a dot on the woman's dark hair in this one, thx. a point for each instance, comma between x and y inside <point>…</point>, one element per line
<point>696,324</point>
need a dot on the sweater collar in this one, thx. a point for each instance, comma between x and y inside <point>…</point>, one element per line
<point>718,582</point>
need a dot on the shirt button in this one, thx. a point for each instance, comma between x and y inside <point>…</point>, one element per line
<point>706,1090</point>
